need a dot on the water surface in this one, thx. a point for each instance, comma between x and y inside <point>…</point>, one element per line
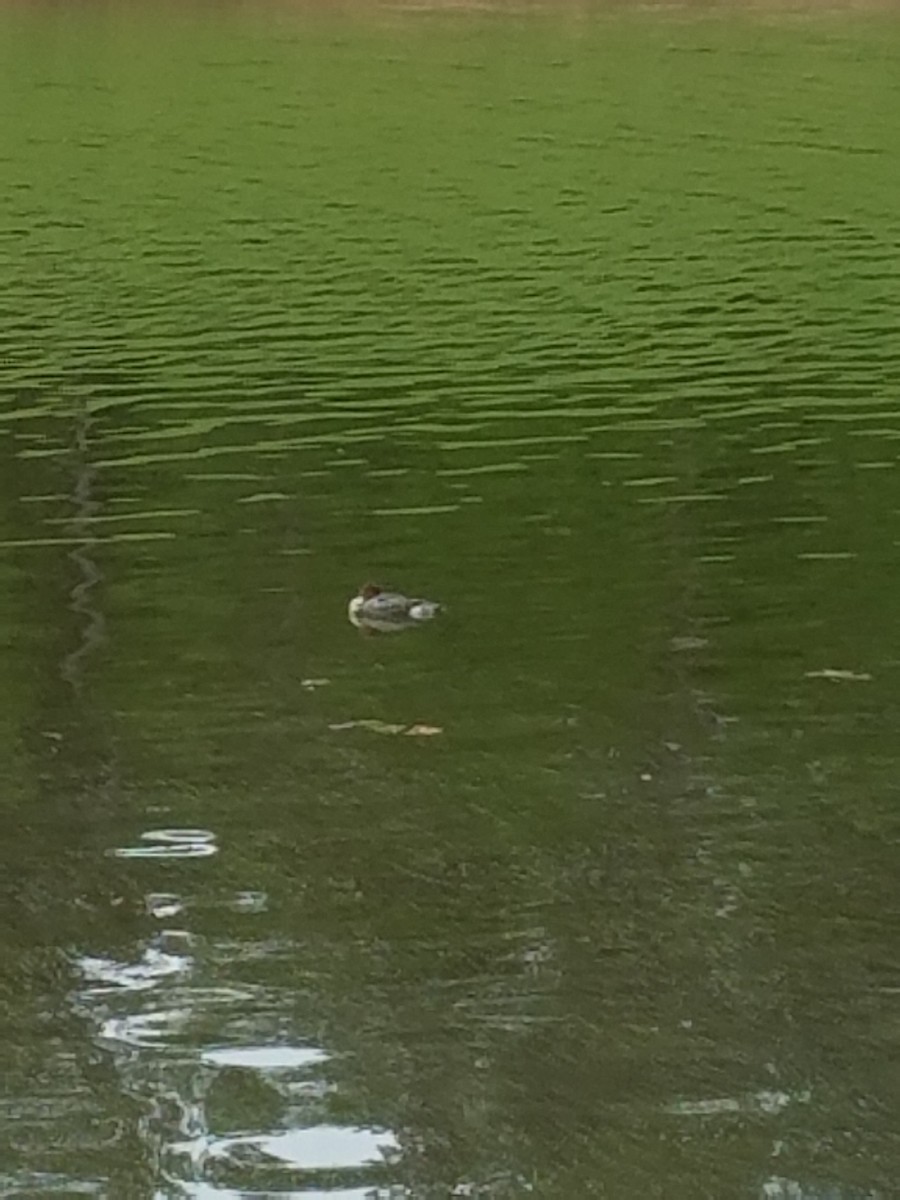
<point>583,321</point>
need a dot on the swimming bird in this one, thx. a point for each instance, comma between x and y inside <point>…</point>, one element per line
<point>374,608</point>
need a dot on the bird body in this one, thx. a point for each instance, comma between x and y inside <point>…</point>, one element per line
<point>375,608</point>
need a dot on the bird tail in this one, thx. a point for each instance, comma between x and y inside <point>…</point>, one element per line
<point>423,610</point>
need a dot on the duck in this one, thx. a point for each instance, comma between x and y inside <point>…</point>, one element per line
<point>374,608</point>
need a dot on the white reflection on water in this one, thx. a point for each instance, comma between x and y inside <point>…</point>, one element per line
<point>320,1148</point>
<point>171,843</point>
<point>104,977</point>
<point>163,904</point>
<point>306,1150</point>
<point>264,1058</point>
<point>150,1014</point>
<point>209,1191</point>
<point>145,1029</point>
<point>152,968</point>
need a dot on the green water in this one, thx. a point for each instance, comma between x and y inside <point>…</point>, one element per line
<point>584,322</point>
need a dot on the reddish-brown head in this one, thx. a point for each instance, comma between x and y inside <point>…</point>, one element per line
<point>368,590</point>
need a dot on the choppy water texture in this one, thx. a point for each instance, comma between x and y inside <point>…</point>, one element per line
<point>584,322</point>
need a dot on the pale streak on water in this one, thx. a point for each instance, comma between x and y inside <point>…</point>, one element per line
<point>585,324</point>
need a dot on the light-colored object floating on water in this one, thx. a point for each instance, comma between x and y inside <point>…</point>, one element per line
<point>386,612</point>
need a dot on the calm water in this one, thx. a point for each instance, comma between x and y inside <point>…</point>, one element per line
<point>585,323</point>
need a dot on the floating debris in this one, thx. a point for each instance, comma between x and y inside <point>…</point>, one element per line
<point>840,676</point>
<point>376,726</point>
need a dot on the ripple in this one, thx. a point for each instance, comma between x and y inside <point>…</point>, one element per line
<point>650,481</point>
<point>827,555</point>
<point>416,510</point>
<point>483,469</point>
<point>147,514</point>
<point>263,498</point>
<point>147,536</point>
<point>684,498</point>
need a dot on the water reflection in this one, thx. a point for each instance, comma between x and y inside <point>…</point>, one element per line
<point>321,1148</point>
<point>171,843</point>
<point>263,1058</point>
<point>154,965</point>
<point>149,1016</point>
<point>208,1191</point>
<point>93,624</point>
